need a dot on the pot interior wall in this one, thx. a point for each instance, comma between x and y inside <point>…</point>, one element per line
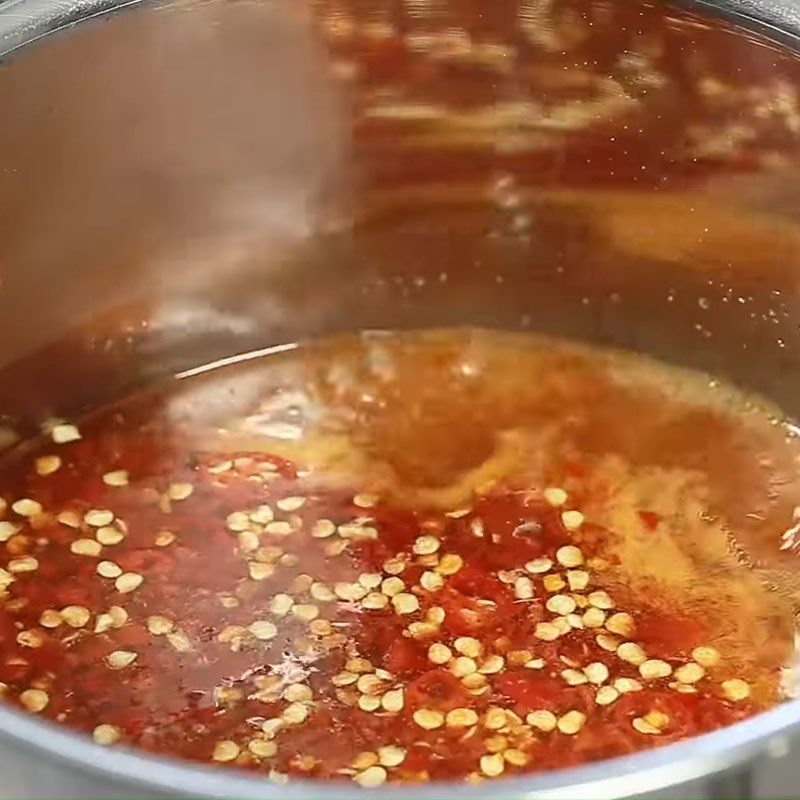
<point>182,181</point>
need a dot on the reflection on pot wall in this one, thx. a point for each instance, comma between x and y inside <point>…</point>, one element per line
<point>259,172</point>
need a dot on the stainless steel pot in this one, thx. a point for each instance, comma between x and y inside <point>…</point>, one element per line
<point>181,180</point>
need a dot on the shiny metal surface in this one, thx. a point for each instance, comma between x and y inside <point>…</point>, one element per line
<point>184,180</point>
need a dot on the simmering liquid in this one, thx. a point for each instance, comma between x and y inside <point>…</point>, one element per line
<point>405,557</point>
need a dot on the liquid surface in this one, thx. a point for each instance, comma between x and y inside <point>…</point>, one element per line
<point>405,557</point>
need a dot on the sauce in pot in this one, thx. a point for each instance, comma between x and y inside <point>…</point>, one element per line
<point>404,557</point>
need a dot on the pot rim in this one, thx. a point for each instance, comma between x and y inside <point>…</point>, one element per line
<point>23,22</point>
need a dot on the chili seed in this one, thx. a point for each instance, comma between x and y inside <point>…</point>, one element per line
<point>226,750</point>
<point>736,689</point>
<point>555,496</point>
<point>492,765</point>
<point>27,507</point>
<point>371,777</point>
<point>86,547</point>
<point>571,722</point>
<point>128,582</point>
<point>34,700</point>
<point>632,653</point>
<point>120,659</point>
<point>63,433</point>
<point>98,518</point>
<point>606,695</point>
<point>117,477</point>
<point>428,719</point>
<point>461,718</point>
<point>572,520</point>
<point>391,756</point>
<point>47,465</point>
<point>654,668</point>
<point>706,656</point>
<point>689,673</point>
<point>106,734</point>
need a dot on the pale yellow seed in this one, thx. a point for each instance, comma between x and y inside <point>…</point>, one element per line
<point>64,433</point>
<point>281,604</point>
<point>262,515</point>
<point>572,520</point>
<point>569,556</point>
<point>305,612</point>
<point>271,726</point>
<point>47,465</point>
<point>27,507</point>
<point>298,693</point>
<point>594,618</point>
<point>462,666</point>
<point>575,621</point>
<point>391,756</point>
<point>393,700</point>
<point>439,653</point>
<point>259,571</point>
<point>654,668</point>
<point>375,601</point>
<point>226,750</point>
<point>159,625</point>
<point>641,725</point>
<point>624,685</point>
<point>364,760</point>
<point>75,616</point>
<point>523,588</point>
<point>555,496</point>
<point>515,757</point>
<point>609,643</point>
<point>431,581</point>
<point>561,604</point>
<point>435,614</point>
<point>295,714</point>
<point>689,673</point>
<point>120,659</point>
<point>69,518</point>
<point>706,656</point>
<point>392,586</point>
<point>546,631</point>
<point>426,545</point>
<point>428,718</point>
<point>108,569</point>
<point>596,672</point>
<point>601,600</point>
<point>449,564</point>
<point>371,777</point>
<point>7,530</point>
<point>621,624</point>
<point>98,518</point>
<point>31,638</point>
<point>553,583</point>
<point>461,718</point>
<point>571,722</point>
<point>180,491</point>
<point>164,538</point>
<point>369,684</point>
<point>128,582</point>
<point>34,700</point>
<point>405,603</point>
<point>262,748</point>
<point>542,720</point>
<point>492,765</point>
<point>492,664</point>
<point>106,735</point>
<point>344,678</point>
<point>279,528</point>
<point>606,695</point>
<point>319,591</point>
<point>290,504</point>
<point>369,703</point>
<point>632,653</point>
<point>237,522</point>
<point>577,579</point>
<point>468,646</point>
<point>573,677</point>
<point>50,618</point>
<point>539,566</point>
<point>119,616</point>
<point>117,477</point>
<point>736,689</point>
<point>495,718</point>
<point>86,547</point>
<point>109,536</point>
<point>23,564</point>
<point>263,630</point>
<point>323,528</point>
